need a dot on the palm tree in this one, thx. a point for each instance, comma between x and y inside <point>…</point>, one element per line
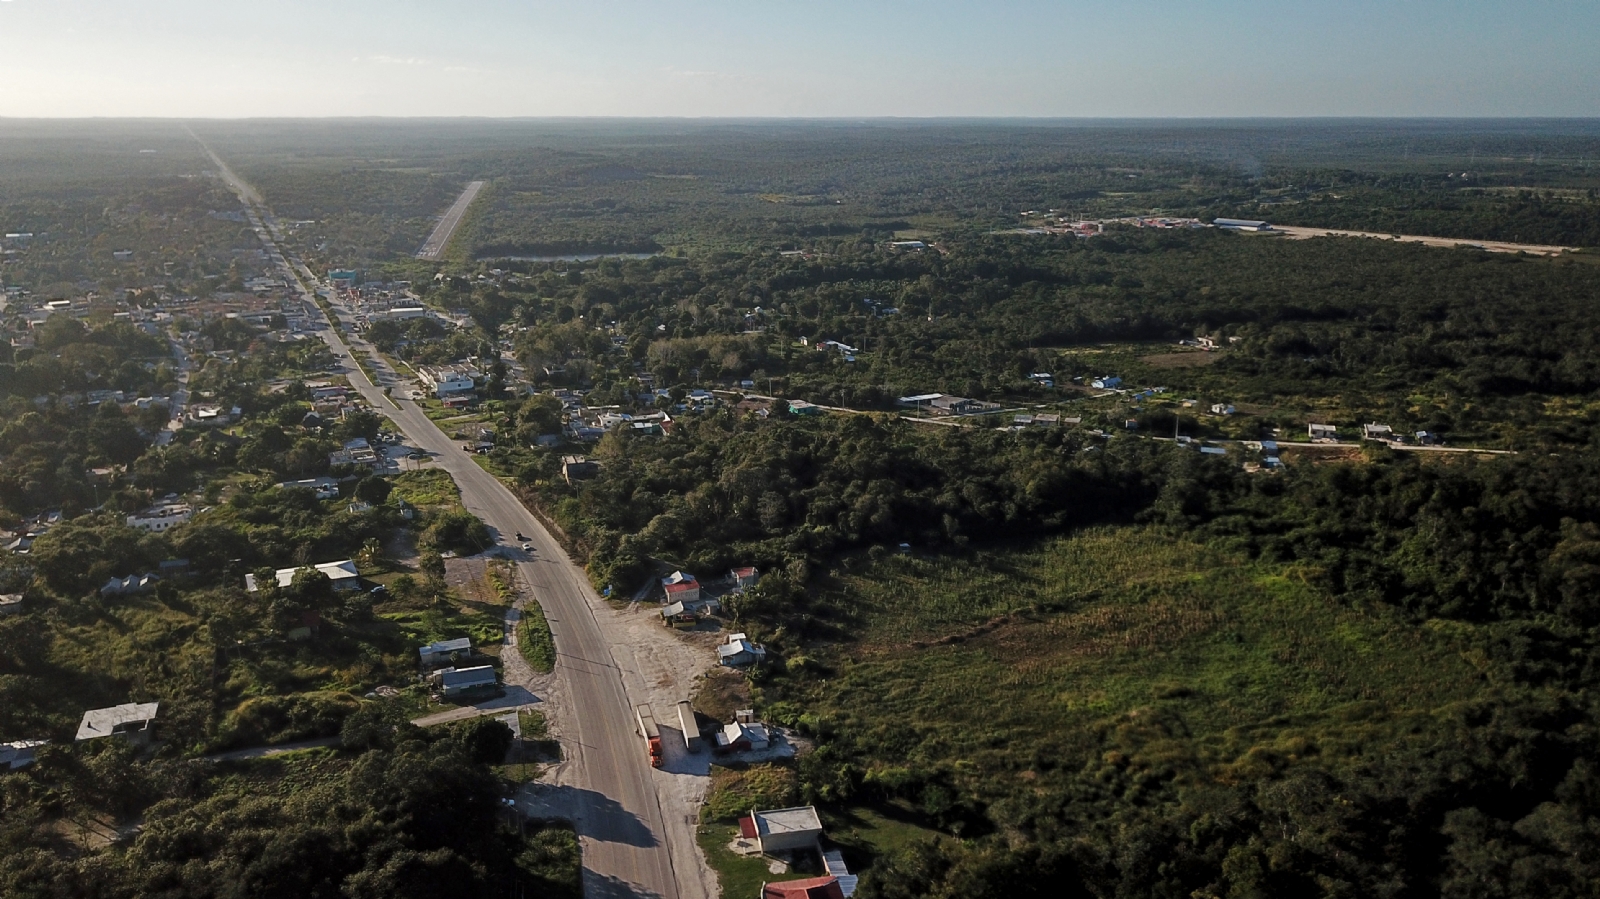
<point>371,552</point>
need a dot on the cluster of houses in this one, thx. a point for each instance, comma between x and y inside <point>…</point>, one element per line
<point>20,541</point>
<point>441,666</point>
<point>375,301</point>
<point>1372,431</point>
<point>685,600</point>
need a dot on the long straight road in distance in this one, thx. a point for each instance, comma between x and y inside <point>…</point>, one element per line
<point>433,247</point>
<point>618,818</point>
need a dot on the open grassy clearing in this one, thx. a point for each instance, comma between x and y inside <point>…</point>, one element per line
<point>738,875</point>
<point>986,660</point>
<point>430,489</point>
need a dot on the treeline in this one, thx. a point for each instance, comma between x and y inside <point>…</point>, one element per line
<point>721,491</point>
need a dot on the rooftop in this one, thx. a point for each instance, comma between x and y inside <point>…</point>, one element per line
<point>788,820</point>
<point>825,887</point>
<point>117,719</point>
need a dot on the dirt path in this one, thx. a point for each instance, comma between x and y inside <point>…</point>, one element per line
<point>261,752</point>
<point>1493,246</point>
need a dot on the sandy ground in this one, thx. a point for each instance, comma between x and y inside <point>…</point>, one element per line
<point>1492,246</point>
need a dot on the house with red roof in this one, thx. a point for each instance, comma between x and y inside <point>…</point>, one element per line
<point>826,887</point>
<point>683,591</point>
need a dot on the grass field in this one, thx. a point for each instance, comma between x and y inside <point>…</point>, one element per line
<point>430,489</point>
<point>739,876</point>
<point>985,661</point>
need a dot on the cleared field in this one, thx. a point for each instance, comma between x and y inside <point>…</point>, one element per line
<point>1492,246</point>
<point>1179,360</point>
<point>995,657</point>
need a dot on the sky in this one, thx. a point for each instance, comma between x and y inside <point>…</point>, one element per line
<point>866,58</point>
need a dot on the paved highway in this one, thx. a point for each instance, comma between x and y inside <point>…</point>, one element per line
<point>434,246</point>
<point>617,809</point>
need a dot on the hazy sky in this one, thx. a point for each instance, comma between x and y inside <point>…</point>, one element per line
<point>753,58</point>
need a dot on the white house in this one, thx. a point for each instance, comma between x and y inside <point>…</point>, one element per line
<point>739,650</point>
<point>342,573</point>
<point>447,380</point>
<point>743,736</point>
<point>160,517</point>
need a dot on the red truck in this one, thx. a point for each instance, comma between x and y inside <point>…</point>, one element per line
<point>650,732</point>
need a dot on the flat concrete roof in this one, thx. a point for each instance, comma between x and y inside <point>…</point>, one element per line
<point>104,722</point>
<point>788,820</point>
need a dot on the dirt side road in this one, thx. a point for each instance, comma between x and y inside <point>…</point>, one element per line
<point>1493,246</point>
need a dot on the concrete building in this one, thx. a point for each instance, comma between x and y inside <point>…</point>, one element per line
<point>10,603</point>
<point>132,721</point>
<point>355,452</point>
<point>784,829</point>
<point>577,468</point>
<point>448,380</point>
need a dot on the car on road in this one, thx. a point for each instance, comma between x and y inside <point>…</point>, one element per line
<point>527,547</point>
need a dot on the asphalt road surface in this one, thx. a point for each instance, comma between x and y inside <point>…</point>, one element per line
<point>618,812</point>
<point>440,238</point>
